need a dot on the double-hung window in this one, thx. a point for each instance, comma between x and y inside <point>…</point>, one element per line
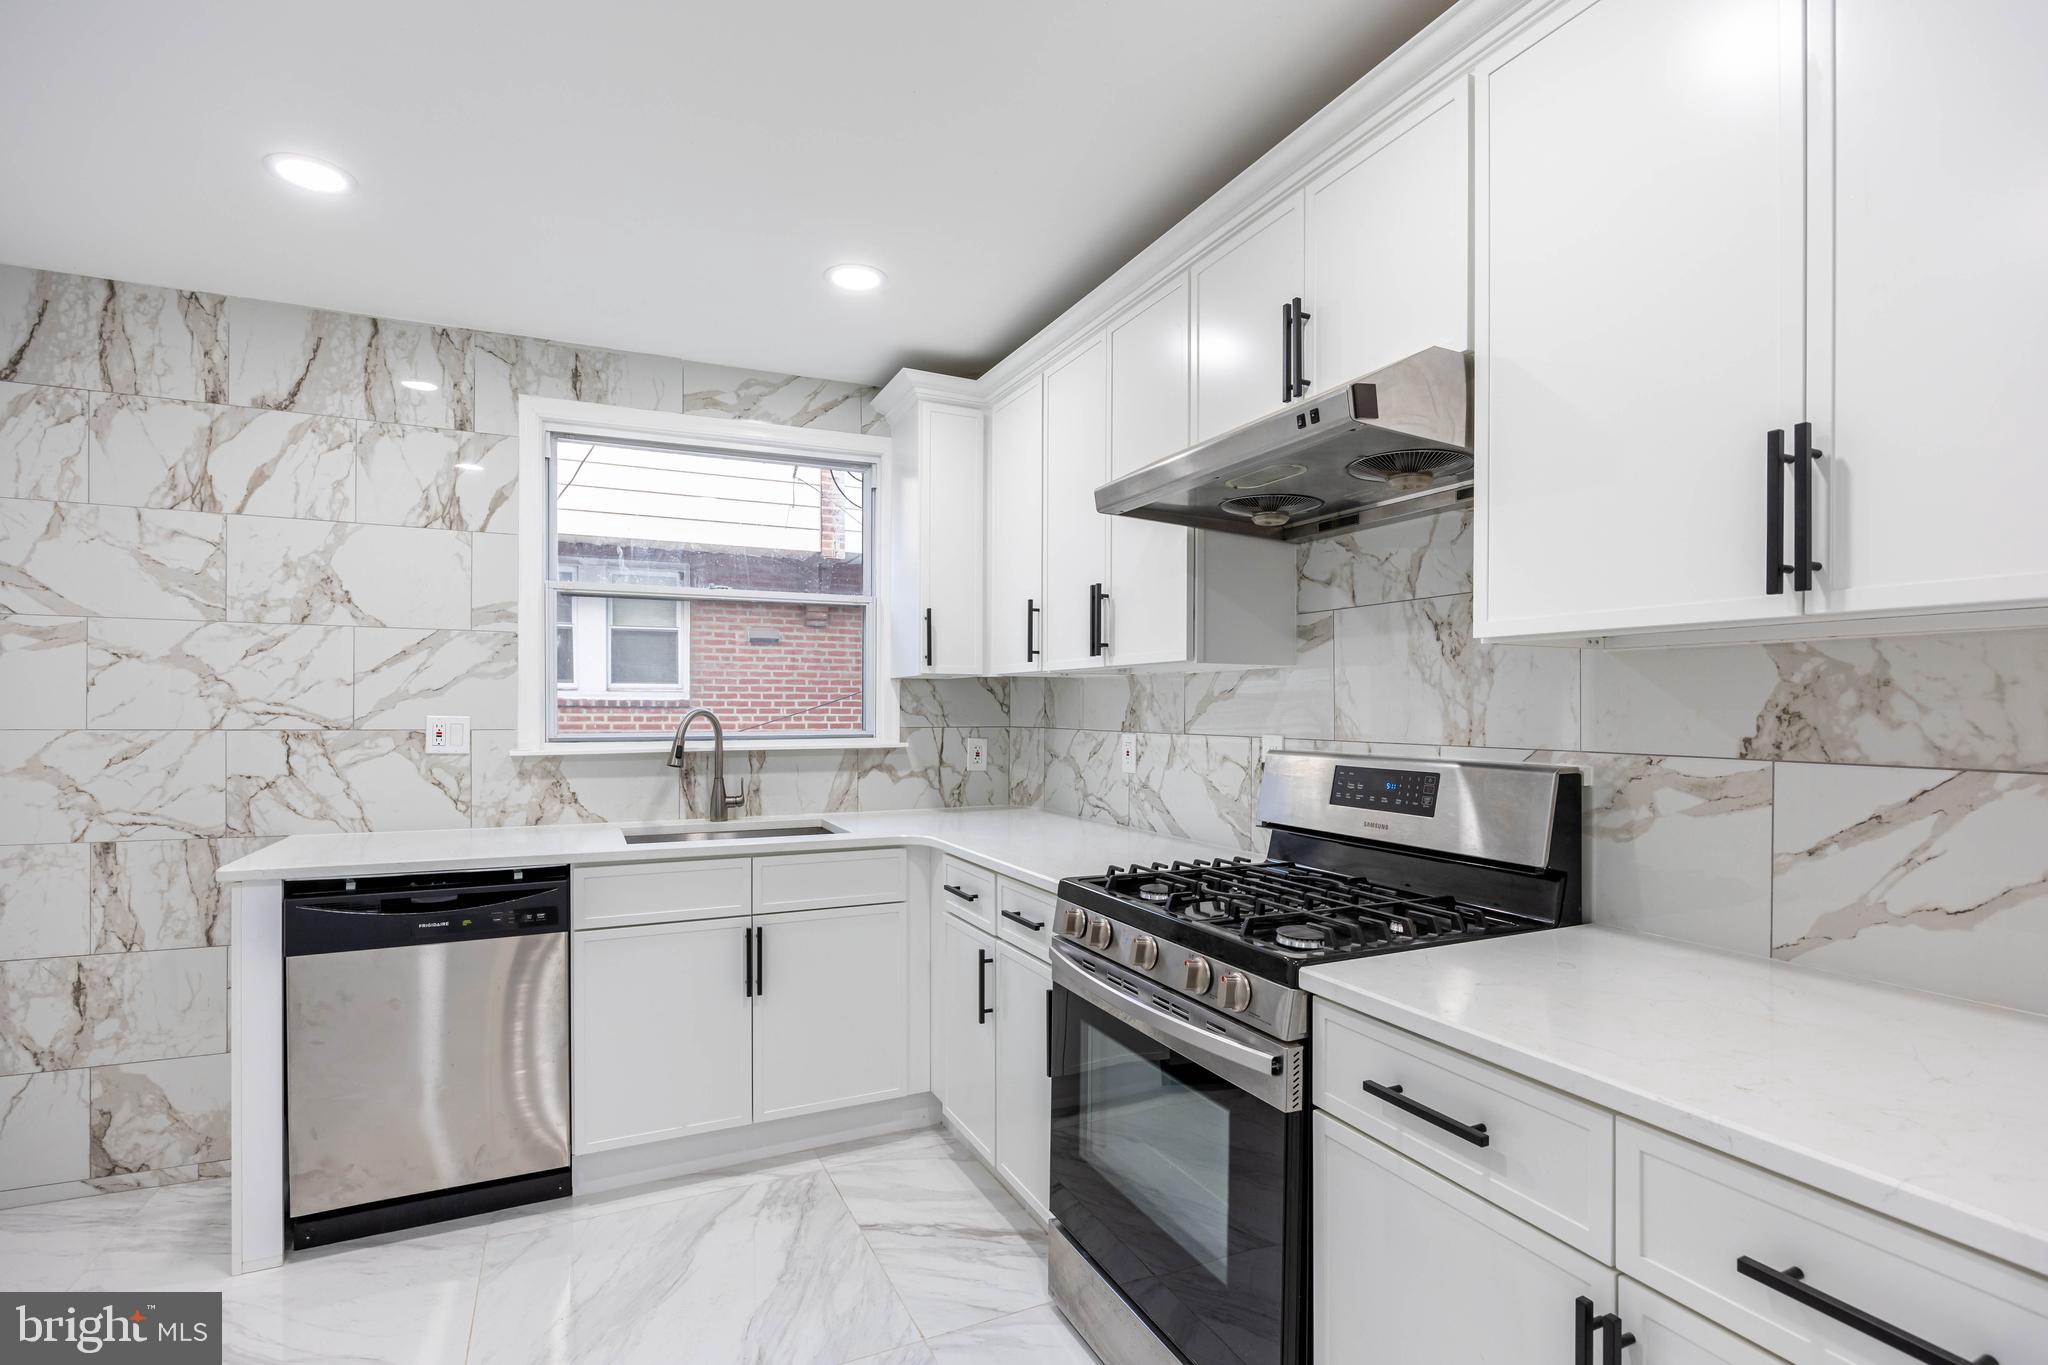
<point>688,562</point>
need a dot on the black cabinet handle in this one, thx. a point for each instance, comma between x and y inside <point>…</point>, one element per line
<point>1775,460</point>
<point>1803,456</point>
<point>981,1003</point>
<point>1791,1282</point>
<point>760,961</point>
<point>1300,366</point>
<point>1613,1341</point>
<point>1474,1133</point>
<point>1097,646</point>
<point>927,637</point>
<point>1286,352</point>
<point>969,896</point>
<point>1034,925</point>
<point>1049,1066</point>
<point>747,947</point>
<point>1031,610</point>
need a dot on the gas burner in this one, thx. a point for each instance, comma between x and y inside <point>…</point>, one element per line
<point>1205,912</point>
<point>1306,936</point>
<point>1158,893</point>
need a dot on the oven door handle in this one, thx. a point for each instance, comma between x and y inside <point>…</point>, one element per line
<point>1270,1074</point>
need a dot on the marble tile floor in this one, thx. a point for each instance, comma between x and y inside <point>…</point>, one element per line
<point>900,1250</point>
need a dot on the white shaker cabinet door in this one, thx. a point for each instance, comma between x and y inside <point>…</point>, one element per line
<point>964,1030</point>
<point>1149,561</point>
<point>1936,335</point>
<point>1023,1089</point>
<point>1016,531</point>
<point>1076,535</point>
<point>1240,287</point>
<point>831,1019</point>
<point>1667,1334</point>
<point>1639,295</point>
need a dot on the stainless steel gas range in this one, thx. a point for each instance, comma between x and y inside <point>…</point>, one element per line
<point>1178,1045</point>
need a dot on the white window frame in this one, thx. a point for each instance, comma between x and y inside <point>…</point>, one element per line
<point>541,420</point>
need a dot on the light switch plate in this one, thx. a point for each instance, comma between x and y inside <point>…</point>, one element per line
<point>977,754</point>
<point>447,734</point>
<point>1130,753</point>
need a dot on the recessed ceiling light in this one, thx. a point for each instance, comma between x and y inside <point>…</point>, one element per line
<point>858,278</point>
<point>418,385</point>
<point>309,173</point>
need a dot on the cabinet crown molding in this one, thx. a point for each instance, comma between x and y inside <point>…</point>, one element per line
<point>925,386</point>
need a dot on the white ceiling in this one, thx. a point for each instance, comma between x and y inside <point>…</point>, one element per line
<point>666,177</point>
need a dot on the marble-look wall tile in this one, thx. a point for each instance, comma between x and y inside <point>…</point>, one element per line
<point>905,778</point>
<point>115,337</point>
<point>44,1127</point>
<point>58,1013</point>
<point>1295,702</point>
<point>339,781</point>
<point>779,781</point>
<point>71,559</point>
<point>872,423</point>
<point>1974,700</point>
<point>42,442</point>
<point>152,1115</point>
<point>1411,672</point>
<point>570,788</point>
<point>1200,787</point>
<point>1031,702</point>
<point>784,399</point>
<point>42,672</point>
<point>62,785</point>
<point>183,675</point>
<point>1027,766</point>
<point>936,703</point>
<point>1084,776</point>
<point>114,1184</point>
<point>399,351</point>
<point>402,676</point>
<point>494,583</point>
<point>414,476</point>
<point>150,894</point>
<point>43,901</point>
<point>1936,880</point>
<point>341,574</point>
<point>204,457</point>
<point>297,359</point>
<point>506,367</point>
<point>1155,702</point>
<point>1426,557</point>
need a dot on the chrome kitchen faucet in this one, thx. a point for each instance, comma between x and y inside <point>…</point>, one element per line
<point>721,804</point>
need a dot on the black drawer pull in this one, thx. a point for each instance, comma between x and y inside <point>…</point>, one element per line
<point>963,895</point>
<point>1791,1282</point>
<point>1034,925</point>
<point>1474,1133</point>
<point>1607,1326</point>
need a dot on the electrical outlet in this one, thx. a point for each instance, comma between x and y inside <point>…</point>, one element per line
<point>977,754</point>
<point>1130,753</point>
<point>447,734</point>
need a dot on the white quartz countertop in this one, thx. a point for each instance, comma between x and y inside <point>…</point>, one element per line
<point>1931,1110</point>
<point>1030,845</point>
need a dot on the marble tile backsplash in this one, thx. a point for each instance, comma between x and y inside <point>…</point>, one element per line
<point>240,563</point>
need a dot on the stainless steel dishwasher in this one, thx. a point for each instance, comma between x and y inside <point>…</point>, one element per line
<point>426,1048</point>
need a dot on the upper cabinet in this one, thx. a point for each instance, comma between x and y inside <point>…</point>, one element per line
<point>935,508</point>
<point>1244,291</point>
<point>1016,530</point>
<point>1076,535</point>
<point>1148,420</point>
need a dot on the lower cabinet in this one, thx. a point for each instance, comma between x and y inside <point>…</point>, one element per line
<point>1667,1334</point>
<point>964,1030</point>
<point>1409,1267</point>
<point>830,1009</point>
<point>1023,1089</point>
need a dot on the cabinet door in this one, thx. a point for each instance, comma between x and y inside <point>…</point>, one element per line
<point>1933,340</point>
<point>1016,532</point>
<point>1407,1266</point>
<point>964,1031</point>
<point>1149,561</point>
<point>954,526</point>
<point>660,1032</point>
<point>1389,255</point>
<point>1076,535</point>
<point>830,1023</point>
<point>1240,288</point>
<point>1667,1334</point>
<point>1023,1089</point>
<point>1639,229</point>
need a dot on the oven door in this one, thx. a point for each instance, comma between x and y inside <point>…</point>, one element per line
<point>1179,1163</point>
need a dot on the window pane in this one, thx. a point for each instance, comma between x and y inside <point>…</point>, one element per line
<point>641,611</point>
<point>565,653</point>
<point>657,514</point>
<point>644,658</point>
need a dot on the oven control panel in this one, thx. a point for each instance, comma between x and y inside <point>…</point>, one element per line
<point>1388,789</point>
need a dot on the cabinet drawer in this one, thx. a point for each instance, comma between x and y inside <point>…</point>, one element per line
<point>650,893</point>
<point>1687,1218</point>
<point>1024,916</point>
<point>820,881</point>
<point>967,890</point>
<point>1547,1158</point>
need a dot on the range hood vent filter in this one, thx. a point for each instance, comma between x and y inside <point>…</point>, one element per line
<point>1408,470</point>
<point>1271,509</point>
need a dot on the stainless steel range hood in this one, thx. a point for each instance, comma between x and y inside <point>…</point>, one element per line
<point>1392,445</point>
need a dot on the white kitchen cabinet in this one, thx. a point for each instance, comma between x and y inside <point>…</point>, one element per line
<point>1928,291</point>
<point>1389,253</point>
<point>1240,287</point>
<point>1023,1088</point>
<point>661,1024</point>
<point>1149,566</point>
<point>831,1022</point>
<point>964,1031</point>
<point>935,500</point>
<point>1639,287</point>
<point>1668,1334</point>
<point>1016,531</point>
<point>1408,1267</point>
<point>1076,535</point>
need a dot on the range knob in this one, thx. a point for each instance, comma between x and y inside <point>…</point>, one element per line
<point>1073,921</point>
<point>1234,992</point>
<point>1143,952</point>
<point>1196,974</point>
<point>1100,933</point>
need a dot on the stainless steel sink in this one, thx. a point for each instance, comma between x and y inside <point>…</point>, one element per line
<point>703,836</point>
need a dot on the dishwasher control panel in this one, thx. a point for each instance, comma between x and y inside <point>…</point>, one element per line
<point>484,921</point>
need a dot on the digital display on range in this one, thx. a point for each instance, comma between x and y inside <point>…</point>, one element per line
<point>1403,793</point>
